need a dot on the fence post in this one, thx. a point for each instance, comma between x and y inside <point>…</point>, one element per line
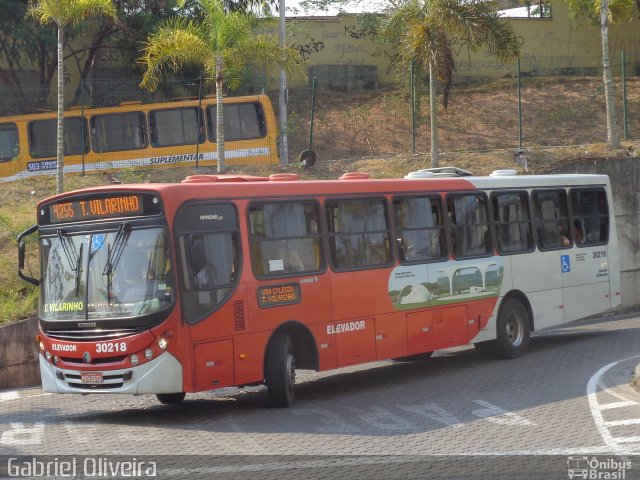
<point>198,122</point>
<point>82,124</point>
<point>624,100</point>
<point>412,86</point>
<point>519,103</point>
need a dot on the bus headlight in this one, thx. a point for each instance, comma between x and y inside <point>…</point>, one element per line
<point>148,353</point>
<point>134,359</point>
<point>41,347</point>
<point>47,355</point>
<point>162,343</point>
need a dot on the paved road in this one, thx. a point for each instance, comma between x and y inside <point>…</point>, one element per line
<point>568,396</point>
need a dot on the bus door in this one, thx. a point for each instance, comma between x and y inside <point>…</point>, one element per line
<point>207,244</point>
<point>585,267</point>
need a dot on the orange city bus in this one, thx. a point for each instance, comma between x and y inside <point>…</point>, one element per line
<point>222,281</point>
<point>136,134</point>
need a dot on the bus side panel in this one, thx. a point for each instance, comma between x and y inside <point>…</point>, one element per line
<point>539,277</point>
<point>355,341</point>
<point>391,336</point>
<point>326,346</point>
<point>249,357</point>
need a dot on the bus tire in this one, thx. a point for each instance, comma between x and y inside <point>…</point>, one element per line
<point>281,371</point>
<point>513,329</point>
<point>170,398</point>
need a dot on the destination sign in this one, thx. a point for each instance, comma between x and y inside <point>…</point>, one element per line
<point>278,295</point>
<point>98,207</point>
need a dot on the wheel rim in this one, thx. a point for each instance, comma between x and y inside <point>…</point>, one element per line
<point>515,329</point>
<point>291,375</point>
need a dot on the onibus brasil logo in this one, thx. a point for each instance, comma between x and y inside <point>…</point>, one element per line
<point>597,468</point>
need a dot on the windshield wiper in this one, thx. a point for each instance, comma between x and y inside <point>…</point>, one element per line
<point>115,252</point>
<point>78,268</point>
<point>69,250</point>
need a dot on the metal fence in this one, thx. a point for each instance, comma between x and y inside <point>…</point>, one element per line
<point>492,106</point>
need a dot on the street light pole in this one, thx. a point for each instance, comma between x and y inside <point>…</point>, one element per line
<point>284,143</point>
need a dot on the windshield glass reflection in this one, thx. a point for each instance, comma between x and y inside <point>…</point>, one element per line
<point>125,273</point>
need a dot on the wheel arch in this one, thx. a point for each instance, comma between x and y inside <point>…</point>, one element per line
<point>522,298</point>
<point>304,345</point>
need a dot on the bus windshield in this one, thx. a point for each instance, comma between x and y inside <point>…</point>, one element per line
<point>108,274</point>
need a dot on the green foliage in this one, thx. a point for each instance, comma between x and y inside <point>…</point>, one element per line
<point>430,31</point>
<point>18,304</point>
<point>619,10</point>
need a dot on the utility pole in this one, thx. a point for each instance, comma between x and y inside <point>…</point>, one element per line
<point>284,142</point>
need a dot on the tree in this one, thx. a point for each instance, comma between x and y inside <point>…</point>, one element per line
<point>605,12</point>
<point>426,31</point>
<point>63,13</point>
<point>221,42</point>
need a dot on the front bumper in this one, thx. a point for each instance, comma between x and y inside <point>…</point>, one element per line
<point>163,374</point>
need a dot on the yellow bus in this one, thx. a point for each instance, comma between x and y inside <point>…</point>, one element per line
<point>135,134</point>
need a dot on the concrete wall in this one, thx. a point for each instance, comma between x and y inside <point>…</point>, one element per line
<point>19,354</point>
<point>624,174</point>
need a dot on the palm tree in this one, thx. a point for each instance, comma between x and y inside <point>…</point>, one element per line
<point>220,42</point>
<point>63,13</point>
<point>605,12</point>
<point>427,30</point>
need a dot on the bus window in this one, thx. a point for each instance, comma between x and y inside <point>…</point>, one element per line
<point>420,229</point>
<point>242,121</point>
<point>551,219</point>
<point>176,126</point>
<point>469,217</point>
<point>209,263</point>
<point>590,217</point>
<point>42,137</point>
<point>512,220</point>
<point>358,234</point>
<point>9,146</point>
<point>119,131</point>
<point>285,238</point>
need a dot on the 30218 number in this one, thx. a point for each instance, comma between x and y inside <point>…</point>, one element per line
<point>600,254</point>
<point>112,347</point>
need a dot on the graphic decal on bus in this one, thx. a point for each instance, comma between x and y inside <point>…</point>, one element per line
<point>415,286</point>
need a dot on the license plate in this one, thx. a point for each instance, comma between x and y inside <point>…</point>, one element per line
<point>91,377</point>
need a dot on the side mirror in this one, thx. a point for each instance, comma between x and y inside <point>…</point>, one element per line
<point>22,254</point>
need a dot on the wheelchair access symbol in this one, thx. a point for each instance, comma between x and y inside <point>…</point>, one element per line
<point>566,263</point>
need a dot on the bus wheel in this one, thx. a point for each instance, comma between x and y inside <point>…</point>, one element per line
<point>281,371</point>
<point>170,398</point>
<point>513,329</point>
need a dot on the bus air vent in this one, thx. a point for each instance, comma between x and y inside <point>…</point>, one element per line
<point>354,176</point>
<point>420,174</point>
<point>503,173</point>
<point>238,315</point>
<point>284,177</point>
<point>223,178</point>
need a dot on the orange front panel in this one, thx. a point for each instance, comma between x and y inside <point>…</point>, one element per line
<point>213,365</point>
<point>391,336</point>
<point>249,357</point>
<point>355,341</point>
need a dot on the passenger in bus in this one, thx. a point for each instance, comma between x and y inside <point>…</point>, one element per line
<point>564,235</point>
<point>578,232</point>
<point>204,273</point>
